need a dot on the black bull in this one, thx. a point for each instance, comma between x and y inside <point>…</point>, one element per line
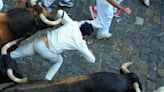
<point>96,82</point>
<point>5,63</point>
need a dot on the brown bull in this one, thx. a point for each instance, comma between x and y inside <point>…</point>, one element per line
<point>23,22</point>
<point>18,24</point>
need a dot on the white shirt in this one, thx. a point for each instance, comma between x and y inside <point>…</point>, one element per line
<point>69,37</point>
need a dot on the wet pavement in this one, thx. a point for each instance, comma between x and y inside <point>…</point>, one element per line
<point>137,38</point>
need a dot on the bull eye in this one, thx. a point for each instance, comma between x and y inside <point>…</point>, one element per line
<point>35,14</point>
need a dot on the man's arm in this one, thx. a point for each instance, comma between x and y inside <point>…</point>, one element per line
<point>65,18</point>
<point>125,9</point>
<point>86,52</point>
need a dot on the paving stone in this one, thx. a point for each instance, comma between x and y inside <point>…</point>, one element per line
<point>149,12</point>
<point>153,57</point>
<point>143,80</point>
<point>143,68</point>
<point>160,82</point>
<point>161,72</point>
<point>138,37</point>
<point>146,43</point>
<point>161,48</point>
<point>160,64</point>
<point>153,66</point>
<point>151,85</point>
<point>152,75</point>
<point>139,21</point>
<point>162,38</point>
<point>156,19</point>
<point>145,50</point>
<point>144,57</point>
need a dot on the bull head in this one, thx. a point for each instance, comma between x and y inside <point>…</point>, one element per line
<point>125,71</point>
<point>42,13</point>
<point>9,70</point>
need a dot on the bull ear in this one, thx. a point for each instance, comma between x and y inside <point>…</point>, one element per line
<point>28,5</point>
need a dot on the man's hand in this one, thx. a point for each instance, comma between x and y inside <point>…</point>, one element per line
<point>127,10</point>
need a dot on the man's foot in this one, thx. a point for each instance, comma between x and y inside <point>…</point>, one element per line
<point>66,4</point>
<point>146,2</point>
<point>103,36</point>
<point>117,14</point>
<point>47,8</point>
<point>93,11</point>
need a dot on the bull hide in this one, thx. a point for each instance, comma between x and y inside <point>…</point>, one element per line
<point>96,82</point>
<point>5,63</point>
<point>19,22</point>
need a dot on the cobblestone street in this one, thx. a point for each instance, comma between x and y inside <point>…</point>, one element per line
<point>137,38</point>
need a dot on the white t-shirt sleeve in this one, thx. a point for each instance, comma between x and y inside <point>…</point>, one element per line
<point>66,18</point>
<point>84,50</point>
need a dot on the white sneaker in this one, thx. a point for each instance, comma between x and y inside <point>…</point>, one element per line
<point>102,36</point>
<point>146,2</point>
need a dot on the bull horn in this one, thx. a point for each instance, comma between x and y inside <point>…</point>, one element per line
<point>136,87</point>
<point>33,2</point>
<point>125,66</point>
<point>45,20</point>
<point>10,71</point>
<point>8,45</point>
<point>13,78</point>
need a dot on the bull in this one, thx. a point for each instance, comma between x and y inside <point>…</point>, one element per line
<point>23,22</point>
<point>18,24</point>
<point>95,82</point>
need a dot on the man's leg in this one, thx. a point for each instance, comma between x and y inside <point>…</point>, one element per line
<point>1,5</point>
<point>25,50</point>
<point>146,2</point>
<point>48,3</point>
<point>65,16</point>
<point>57,59</point>
<point>104,31</point>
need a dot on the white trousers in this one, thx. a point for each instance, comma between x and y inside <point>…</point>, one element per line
<point>1,5</point>
<point>39,47</point>
<point>104,17</point>
<point>48,3</point>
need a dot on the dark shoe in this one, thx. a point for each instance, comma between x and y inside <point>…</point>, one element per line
<point>66,4</point>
